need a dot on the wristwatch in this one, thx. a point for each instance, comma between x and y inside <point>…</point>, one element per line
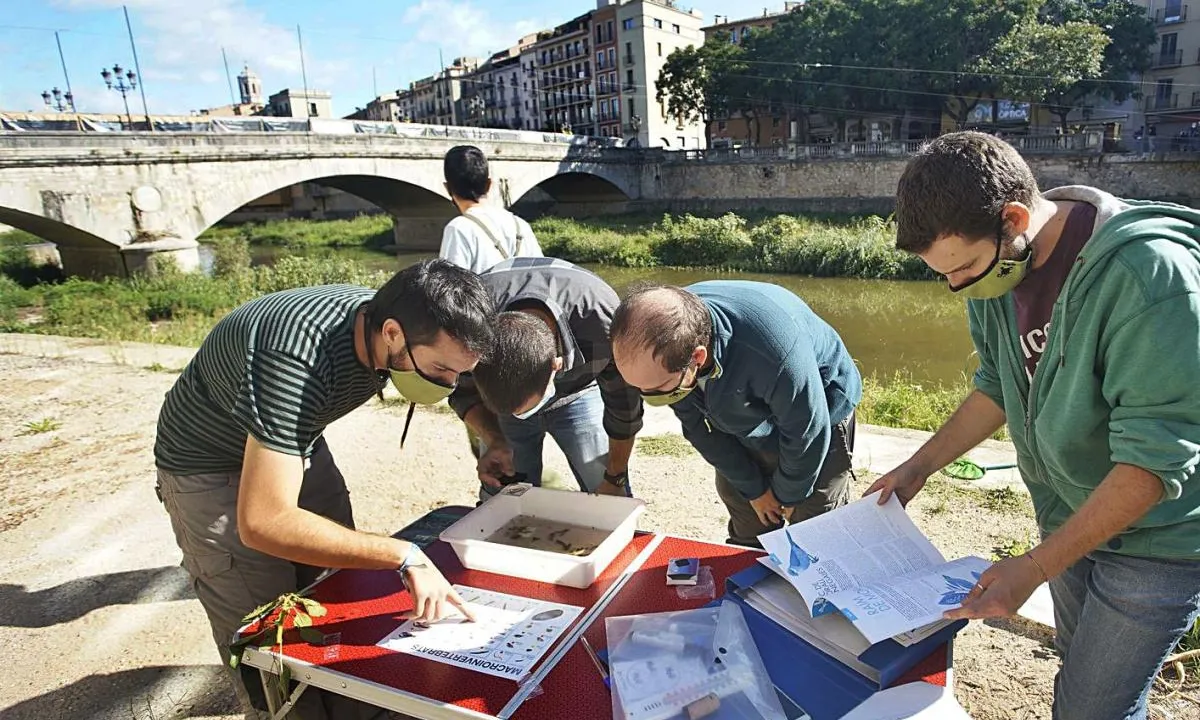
<point>414,559</point>
<point>620,480</point>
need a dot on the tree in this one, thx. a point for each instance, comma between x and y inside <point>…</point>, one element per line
<point>696,82</point>
<point>1127,56</point>
<point>1039,60</point>
<point>950,43</point>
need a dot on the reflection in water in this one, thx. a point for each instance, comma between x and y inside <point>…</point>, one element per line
<point>890,326</point>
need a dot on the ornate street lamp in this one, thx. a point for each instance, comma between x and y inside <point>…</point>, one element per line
<point>58,100</point>
<point>124,82</point>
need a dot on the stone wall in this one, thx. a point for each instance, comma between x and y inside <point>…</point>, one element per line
<point>869,185</point>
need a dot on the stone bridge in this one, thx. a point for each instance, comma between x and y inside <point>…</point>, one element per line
<point>112,203</point>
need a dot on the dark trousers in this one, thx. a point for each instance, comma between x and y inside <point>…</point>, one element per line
<point>831,490</point>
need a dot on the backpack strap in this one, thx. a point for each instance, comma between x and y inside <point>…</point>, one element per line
<point>488,231</point>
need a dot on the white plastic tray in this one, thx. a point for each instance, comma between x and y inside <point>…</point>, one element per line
<point>618,515</point>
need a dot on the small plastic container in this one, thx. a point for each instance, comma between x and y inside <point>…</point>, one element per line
<point>618,516</point>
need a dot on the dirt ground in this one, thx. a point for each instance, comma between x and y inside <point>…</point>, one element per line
<point>98,618</point>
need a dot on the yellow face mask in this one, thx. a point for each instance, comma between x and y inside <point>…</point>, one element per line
<point>419,389</point>
<point>662,398</point>
<point>1000,277</point>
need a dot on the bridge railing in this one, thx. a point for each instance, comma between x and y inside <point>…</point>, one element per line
<point>1030,144</point>
<point>17,123</point>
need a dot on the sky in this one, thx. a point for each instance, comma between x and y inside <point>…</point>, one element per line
<point>351,47</point>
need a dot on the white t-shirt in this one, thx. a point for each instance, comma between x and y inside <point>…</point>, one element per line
<point>466,244</point>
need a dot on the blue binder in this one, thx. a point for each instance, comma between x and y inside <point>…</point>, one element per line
<point>826,688</point>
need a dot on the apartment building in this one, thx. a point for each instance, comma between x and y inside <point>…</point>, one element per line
<point>647,32</point>
<point>528,95</point>
<point>1171,89</point>
<point>564,67</point>
<point>607,77</point>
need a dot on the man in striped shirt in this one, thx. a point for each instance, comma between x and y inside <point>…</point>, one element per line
<point>551,372</point>
<point>256,502</point>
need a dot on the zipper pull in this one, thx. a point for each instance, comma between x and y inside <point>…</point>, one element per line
<point>707,425</point>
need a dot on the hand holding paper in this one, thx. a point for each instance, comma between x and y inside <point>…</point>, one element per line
<point>1001,591</point>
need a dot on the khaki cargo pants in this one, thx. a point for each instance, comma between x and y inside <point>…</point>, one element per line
<point>831,491</point>
<point>231,579</point>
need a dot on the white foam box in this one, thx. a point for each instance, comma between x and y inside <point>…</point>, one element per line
<point>616,515</point>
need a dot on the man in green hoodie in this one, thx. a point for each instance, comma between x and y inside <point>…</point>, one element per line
<point>1085,313</point>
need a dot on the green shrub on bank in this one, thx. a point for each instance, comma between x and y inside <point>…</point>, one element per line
<point>900,401</point>
<point>857,247</point>
<point>173,308</point>
<point>372,231</point>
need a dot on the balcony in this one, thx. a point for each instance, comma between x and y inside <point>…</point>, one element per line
<point>1196,99</point>
<point>628,60</point>
<point>629,87</point>
<point>1162,103</point>
<point>1168,60</point>
<point>1177,15</point>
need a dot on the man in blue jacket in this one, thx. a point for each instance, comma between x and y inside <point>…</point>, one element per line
<point>765,391</point>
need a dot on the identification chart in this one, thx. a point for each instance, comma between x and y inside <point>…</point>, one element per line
<point>509,635</point>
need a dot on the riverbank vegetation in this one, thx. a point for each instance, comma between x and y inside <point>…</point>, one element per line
<point>179,309</point>
<point>826,246</point>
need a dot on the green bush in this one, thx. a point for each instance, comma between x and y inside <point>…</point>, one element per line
<point>361,231</point>
<point>702,242</point>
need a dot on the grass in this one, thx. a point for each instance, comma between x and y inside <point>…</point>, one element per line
<point>821,246</point>
<point>172,308</point>
<point>901,401</point>
<point>952,492</point>
<point>38,427</point>
<point>668,445</point>
<point>1007,547</point>
<point>860,247</point>
<point>372,231</point>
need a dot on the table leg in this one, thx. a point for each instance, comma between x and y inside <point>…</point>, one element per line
<point>277,706</point>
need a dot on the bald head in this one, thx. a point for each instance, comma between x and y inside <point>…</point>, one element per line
<point>656,333</point>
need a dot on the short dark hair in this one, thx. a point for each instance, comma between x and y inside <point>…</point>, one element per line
<point>668,320</point>
<point>520,362</point>
<point>435,295</point>
<point>958,184</point>
<point>466,170</point>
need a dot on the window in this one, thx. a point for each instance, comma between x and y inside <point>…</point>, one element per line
<point>745,33</point>
<point>660,49</point>
<point>629,52</point>
<point>612,57</point>
<point>599,34</point>
<point>1163,94</point>
<point>627,24</point>
<point>603,84</point>
<point>610,31</point>
<point>658,23</point>
<point>1173,11</point>
<point>629,76</point>
<point>616,108</point>
<point>721,126</point>
<point>675,29</point>
<point>1168,50</point>
<point>774,122</point>
<point>600,60</point>
<point>612,81</point>
<point>632,111</point>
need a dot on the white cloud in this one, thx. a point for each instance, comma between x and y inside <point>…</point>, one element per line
<point>182,41</point>
<point>461,28</point>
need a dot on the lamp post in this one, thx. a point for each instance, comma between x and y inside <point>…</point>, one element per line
<point>58,100</point>
<point>124,82</point>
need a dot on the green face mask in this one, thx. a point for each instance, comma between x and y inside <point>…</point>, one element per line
<point>669,397</point>
<point>1000,278</point>
<point>418,388</point>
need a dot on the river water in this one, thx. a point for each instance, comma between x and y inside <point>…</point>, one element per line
<point>916,328</point>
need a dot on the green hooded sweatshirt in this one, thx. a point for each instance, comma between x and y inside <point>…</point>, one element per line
<point>1119,380</point>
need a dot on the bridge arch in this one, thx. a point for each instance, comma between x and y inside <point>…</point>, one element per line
<point>49,229</point>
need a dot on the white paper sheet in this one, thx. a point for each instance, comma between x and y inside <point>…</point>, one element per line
<point>510,634</point>
<point>909,702</point>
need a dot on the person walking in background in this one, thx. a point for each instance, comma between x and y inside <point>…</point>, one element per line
<point>483,234</point>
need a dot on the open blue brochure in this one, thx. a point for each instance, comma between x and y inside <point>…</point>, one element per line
<point>870,563</point>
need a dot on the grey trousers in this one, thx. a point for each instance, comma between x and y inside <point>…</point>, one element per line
<point>231,579</point>
<point>831,491</point>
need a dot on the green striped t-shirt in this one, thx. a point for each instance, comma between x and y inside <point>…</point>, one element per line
<point>281,368</point>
